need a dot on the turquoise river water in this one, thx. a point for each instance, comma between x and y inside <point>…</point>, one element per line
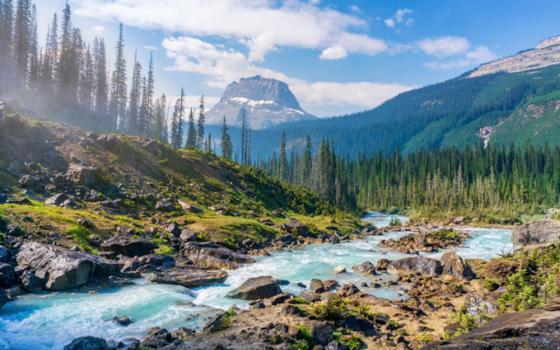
<point>51,320</point>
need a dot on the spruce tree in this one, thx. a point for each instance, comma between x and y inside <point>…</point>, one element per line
<point>101,86</point>
<point>22,42</point>
<point>200,126</point>
<point>6,45</point>
<point>118,100</point>
<point>134,100</point>
<point>178,117</point>
<point>49,62</point>
<point>192,135</point>
<point>227,147</point>
<point>160,123</point>
<point>283,161</point>
<point>87,83</point>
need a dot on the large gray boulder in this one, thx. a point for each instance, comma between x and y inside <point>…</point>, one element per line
<point>188,277</point>
<point>256,288</point>
<point>60,268</point>
<point>7,275</point>
<point>541,232</point>
<point>211,255</point>
<point>415,265</point>
<point>454,265</point>
<point>366,268</point>
<point>128,245</point>
<point>87,343</point>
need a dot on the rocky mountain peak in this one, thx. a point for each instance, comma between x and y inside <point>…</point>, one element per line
<point>267,102</point>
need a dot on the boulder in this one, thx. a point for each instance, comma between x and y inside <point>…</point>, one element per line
<point>347,290</point>
<point>316,286</point>
<point>174,229</point>
<point>322,332</point>
<point>56,199</point>
<point>295,227</point>
<point>87,343</point>
<point>122,320</point>
<point>359,324</point>
<point>62,269</point>
<point>211,255</point>
<point>188,277</point>
<point>532,329</point>
<point>165,205</point>
<point>541,232</point>
<point>415,265</point>
<point>187,235</point>
<point>7,275</point>
<point>340,269</point>
<point>365,268</point>
<point>157,338</point>
<point>382,264</point>
<point>453,264</point>
<point>189,207</point>
<point>256,288</point>
<point>30,282</point>
<point>81,175</point>
<point>330,285</point>
<point>128,245</point>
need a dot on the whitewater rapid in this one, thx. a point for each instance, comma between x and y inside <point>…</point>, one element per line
<point>52,320</point>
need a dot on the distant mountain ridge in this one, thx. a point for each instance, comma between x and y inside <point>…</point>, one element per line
<point>267,102</point>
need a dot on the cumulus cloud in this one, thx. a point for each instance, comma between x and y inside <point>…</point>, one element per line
<point>402,16</point>
<point>333,53</point>
<point>221,66</point>
<point>262,25</point>
<point>444,46</point>
<point>476,56</point>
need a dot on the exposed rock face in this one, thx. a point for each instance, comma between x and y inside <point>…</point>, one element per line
<point>128,245</point>
<point>546,53</point>
<point>365,268</point>
<point>87,343</point>
<point>532,329</point>
<point>267,102</point>
<point>30,282</point>
<point>7,275</point>
<point>537,233</point>
<point>210,255</point>
<point>188,277</point>
<point>415,265</point>
<point>62,269</point>
<point>453,264</point>
<point>256,288</point>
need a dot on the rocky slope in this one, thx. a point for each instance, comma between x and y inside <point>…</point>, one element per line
<point>267,102</point>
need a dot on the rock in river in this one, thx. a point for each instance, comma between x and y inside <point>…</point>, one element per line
<point>256,288</point>
<point>415,265</point>
<point>128,245</point>
<point>87,343</point>
<point>60,268</point>
<point>365,268</point>
<point>537,233</point>
<point>453,264</point>
<point>211,255</point>
<point>188,277</point>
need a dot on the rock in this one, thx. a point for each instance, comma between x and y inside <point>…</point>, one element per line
<point>282,282</point>
<point>189,207</point>
<point>187,235</point>
<point>122,320</point>
<point>359,324</point>
<point>382,264</point>
<point>532,329</point>
<point>322,332</point>
<point>295,227</point>
<point>87,343</point>
<point>174,229</point>
<point>453,264</point>
<point>340,269</point>
<point>188,277</point>
<point>7,275</point>
<point>334,239</point>
<point>500,269</point>
<point>330,285</point>
<point>57,199</point>
<point>256,288</point>
<point>277,299</point>
<point>211,255</point>
<point>347,290</point>
<point>316,286</point>
<point>310,297</point>
<point>62,269</point>
<point>365,268</point>
<point>129,344</point>
<point>220,322</point>
<point>165,205</point>
<point>81,175</point>
<point>30,282</point>
<point>157,338</point>
<point>537,233</point>
<point>128,245</point>
<point>415,265</point>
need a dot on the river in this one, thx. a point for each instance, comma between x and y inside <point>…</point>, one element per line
<point>51,320</point>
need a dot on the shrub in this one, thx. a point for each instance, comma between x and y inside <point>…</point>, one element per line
<point>333,310</point>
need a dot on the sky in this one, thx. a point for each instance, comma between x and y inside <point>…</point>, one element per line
<point>338,57</point>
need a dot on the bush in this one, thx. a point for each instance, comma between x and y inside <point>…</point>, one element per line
<point>334,309</point>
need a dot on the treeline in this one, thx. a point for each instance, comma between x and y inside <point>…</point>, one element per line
<point>500,182</point>
<point>70,80</point>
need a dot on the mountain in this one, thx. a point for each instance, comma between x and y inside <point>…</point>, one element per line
<point>512,100</point>
<point>267,102</point>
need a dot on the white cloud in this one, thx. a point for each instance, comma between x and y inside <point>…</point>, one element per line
<point>444,46</point>
<point>222,66</point>
<point>261,25</point>
<point>402,16</point>
<point>481,54</point>
<point>477,56</point>
<point>333,53</point>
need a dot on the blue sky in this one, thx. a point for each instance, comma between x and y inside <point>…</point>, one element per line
<point>337,56</point>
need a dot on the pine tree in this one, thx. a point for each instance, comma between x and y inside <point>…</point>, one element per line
<point>245,138</point>
<point>191,132</point>
<point>200,126</point>
<point>208,145</point>
<point>22,38</point>
<point>134,100</point>
<point>227,147</point>
<point>307,158</point>
<point>178,117</point>
<point>147,122</point>
<point>87,83</point>
<point>34,59</point>
<point>101,86</point>
<point>160,122</point>
<point>118,100</point>
<point>64,66</point>
<point>6,44</point>
<point>283,161</point>
<point>50,56</point>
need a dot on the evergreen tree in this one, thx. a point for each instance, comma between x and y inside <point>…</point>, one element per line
<point>134,100</point>
<point>245,138</point>
<point>6,44</point>
<point>34,59</point>
<point>178,117</point>
<point>147,122</point>
<point>22,38</point>
<point>50,56</point>
<point>87,83</point>
<point>192,135</point>
<point>64,66</point>
<point>283,161</point>
<point>226,144</point>
<point>101,86</point>
<point>118,99</point>
<point>160,122</point>
<point>307,157</point>
<point>200,126</point>
<point>208,144</point>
